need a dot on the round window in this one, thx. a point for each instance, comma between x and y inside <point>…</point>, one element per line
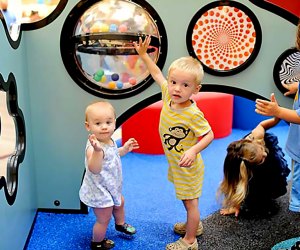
<point>97,46</point>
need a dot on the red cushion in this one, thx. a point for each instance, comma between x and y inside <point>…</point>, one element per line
<point>143,126</point>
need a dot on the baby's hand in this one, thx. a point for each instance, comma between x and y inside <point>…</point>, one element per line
<point>187,159</point>
<point>131,144</point>
<point>95,143</point>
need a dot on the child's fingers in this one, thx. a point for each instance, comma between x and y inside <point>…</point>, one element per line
<point>273,98</point>
<point>285,85</point>
<point>237,213</point>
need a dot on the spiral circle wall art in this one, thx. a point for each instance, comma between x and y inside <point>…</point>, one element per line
<point>225,36</point>
<point>287,68</point>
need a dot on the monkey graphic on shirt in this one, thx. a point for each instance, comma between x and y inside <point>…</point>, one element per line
<point>173,139</point>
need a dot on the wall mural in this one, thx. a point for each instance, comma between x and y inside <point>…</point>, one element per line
<point>225,36</point>
<point>12,137</point>
<point>97,46</point>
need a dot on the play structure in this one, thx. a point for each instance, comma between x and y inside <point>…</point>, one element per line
<point>83,52</point>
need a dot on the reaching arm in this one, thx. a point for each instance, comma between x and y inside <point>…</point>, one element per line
<point>141,48</point>
<point>271,108</point>
<point>259,131</point>
<point>128,146</point>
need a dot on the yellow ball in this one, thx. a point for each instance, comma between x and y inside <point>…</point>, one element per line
<point>104,27</point>
<point>103,79</point>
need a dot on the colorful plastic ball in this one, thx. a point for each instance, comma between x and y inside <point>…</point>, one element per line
<point>96,27</point>
<point>119,85</point>
<point>123,28</point>
<point>104,28</point>
<point>111,85</point>
<point>103,79</point>
<point>100,73</point>
<point>97,78</point>
<point>132,81</point>
<point>113,28</point>
<point>125,77</point>
<point>115,77</point>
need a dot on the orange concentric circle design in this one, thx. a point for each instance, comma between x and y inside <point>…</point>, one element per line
<point>224,37</point>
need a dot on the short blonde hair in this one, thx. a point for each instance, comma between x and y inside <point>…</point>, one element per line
<point>98,104</point>
<point>190,65</point>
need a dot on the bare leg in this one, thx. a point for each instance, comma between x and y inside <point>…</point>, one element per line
<point>119,213</point>
<point>103,216</point>
<point>193,219</point>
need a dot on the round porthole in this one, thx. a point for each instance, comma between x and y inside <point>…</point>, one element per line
<point>97,46</point>
<point>225,36</point>
<point>287,69</point>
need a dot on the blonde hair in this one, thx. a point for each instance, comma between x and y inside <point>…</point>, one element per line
<point>238,165</point>
<point>98,104</point>
<point>190,65</point>
<point>298,36</point>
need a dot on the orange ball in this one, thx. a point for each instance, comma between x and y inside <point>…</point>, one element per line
<point>132,81</point>
<point>111,85</point>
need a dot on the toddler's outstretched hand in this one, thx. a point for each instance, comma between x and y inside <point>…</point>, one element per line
<point>268,108</point>
<point>130,145</point>
<point>95,143</point>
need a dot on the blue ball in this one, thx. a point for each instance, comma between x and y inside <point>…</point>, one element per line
<point>115,77</point>
<point>119,85</point>
<point>113,28</point>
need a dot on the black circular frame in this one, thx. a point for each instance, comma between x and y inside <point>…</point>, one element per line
<point>89,44</point>
<point>287,69</point>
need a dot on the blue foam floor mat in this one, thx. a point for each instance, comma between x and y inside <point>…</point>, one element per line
<point>150,203</point>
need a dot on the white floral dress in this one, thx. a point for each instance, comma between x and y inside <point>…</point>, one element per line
<point>104,189</point>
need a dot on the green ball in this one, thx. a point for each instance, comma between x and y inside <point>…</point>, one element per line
<point>97,78</point>
<point>100,73</point>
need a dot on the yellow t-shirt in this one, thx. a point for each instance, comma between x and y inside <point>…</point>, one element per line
<point>179,130</point>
